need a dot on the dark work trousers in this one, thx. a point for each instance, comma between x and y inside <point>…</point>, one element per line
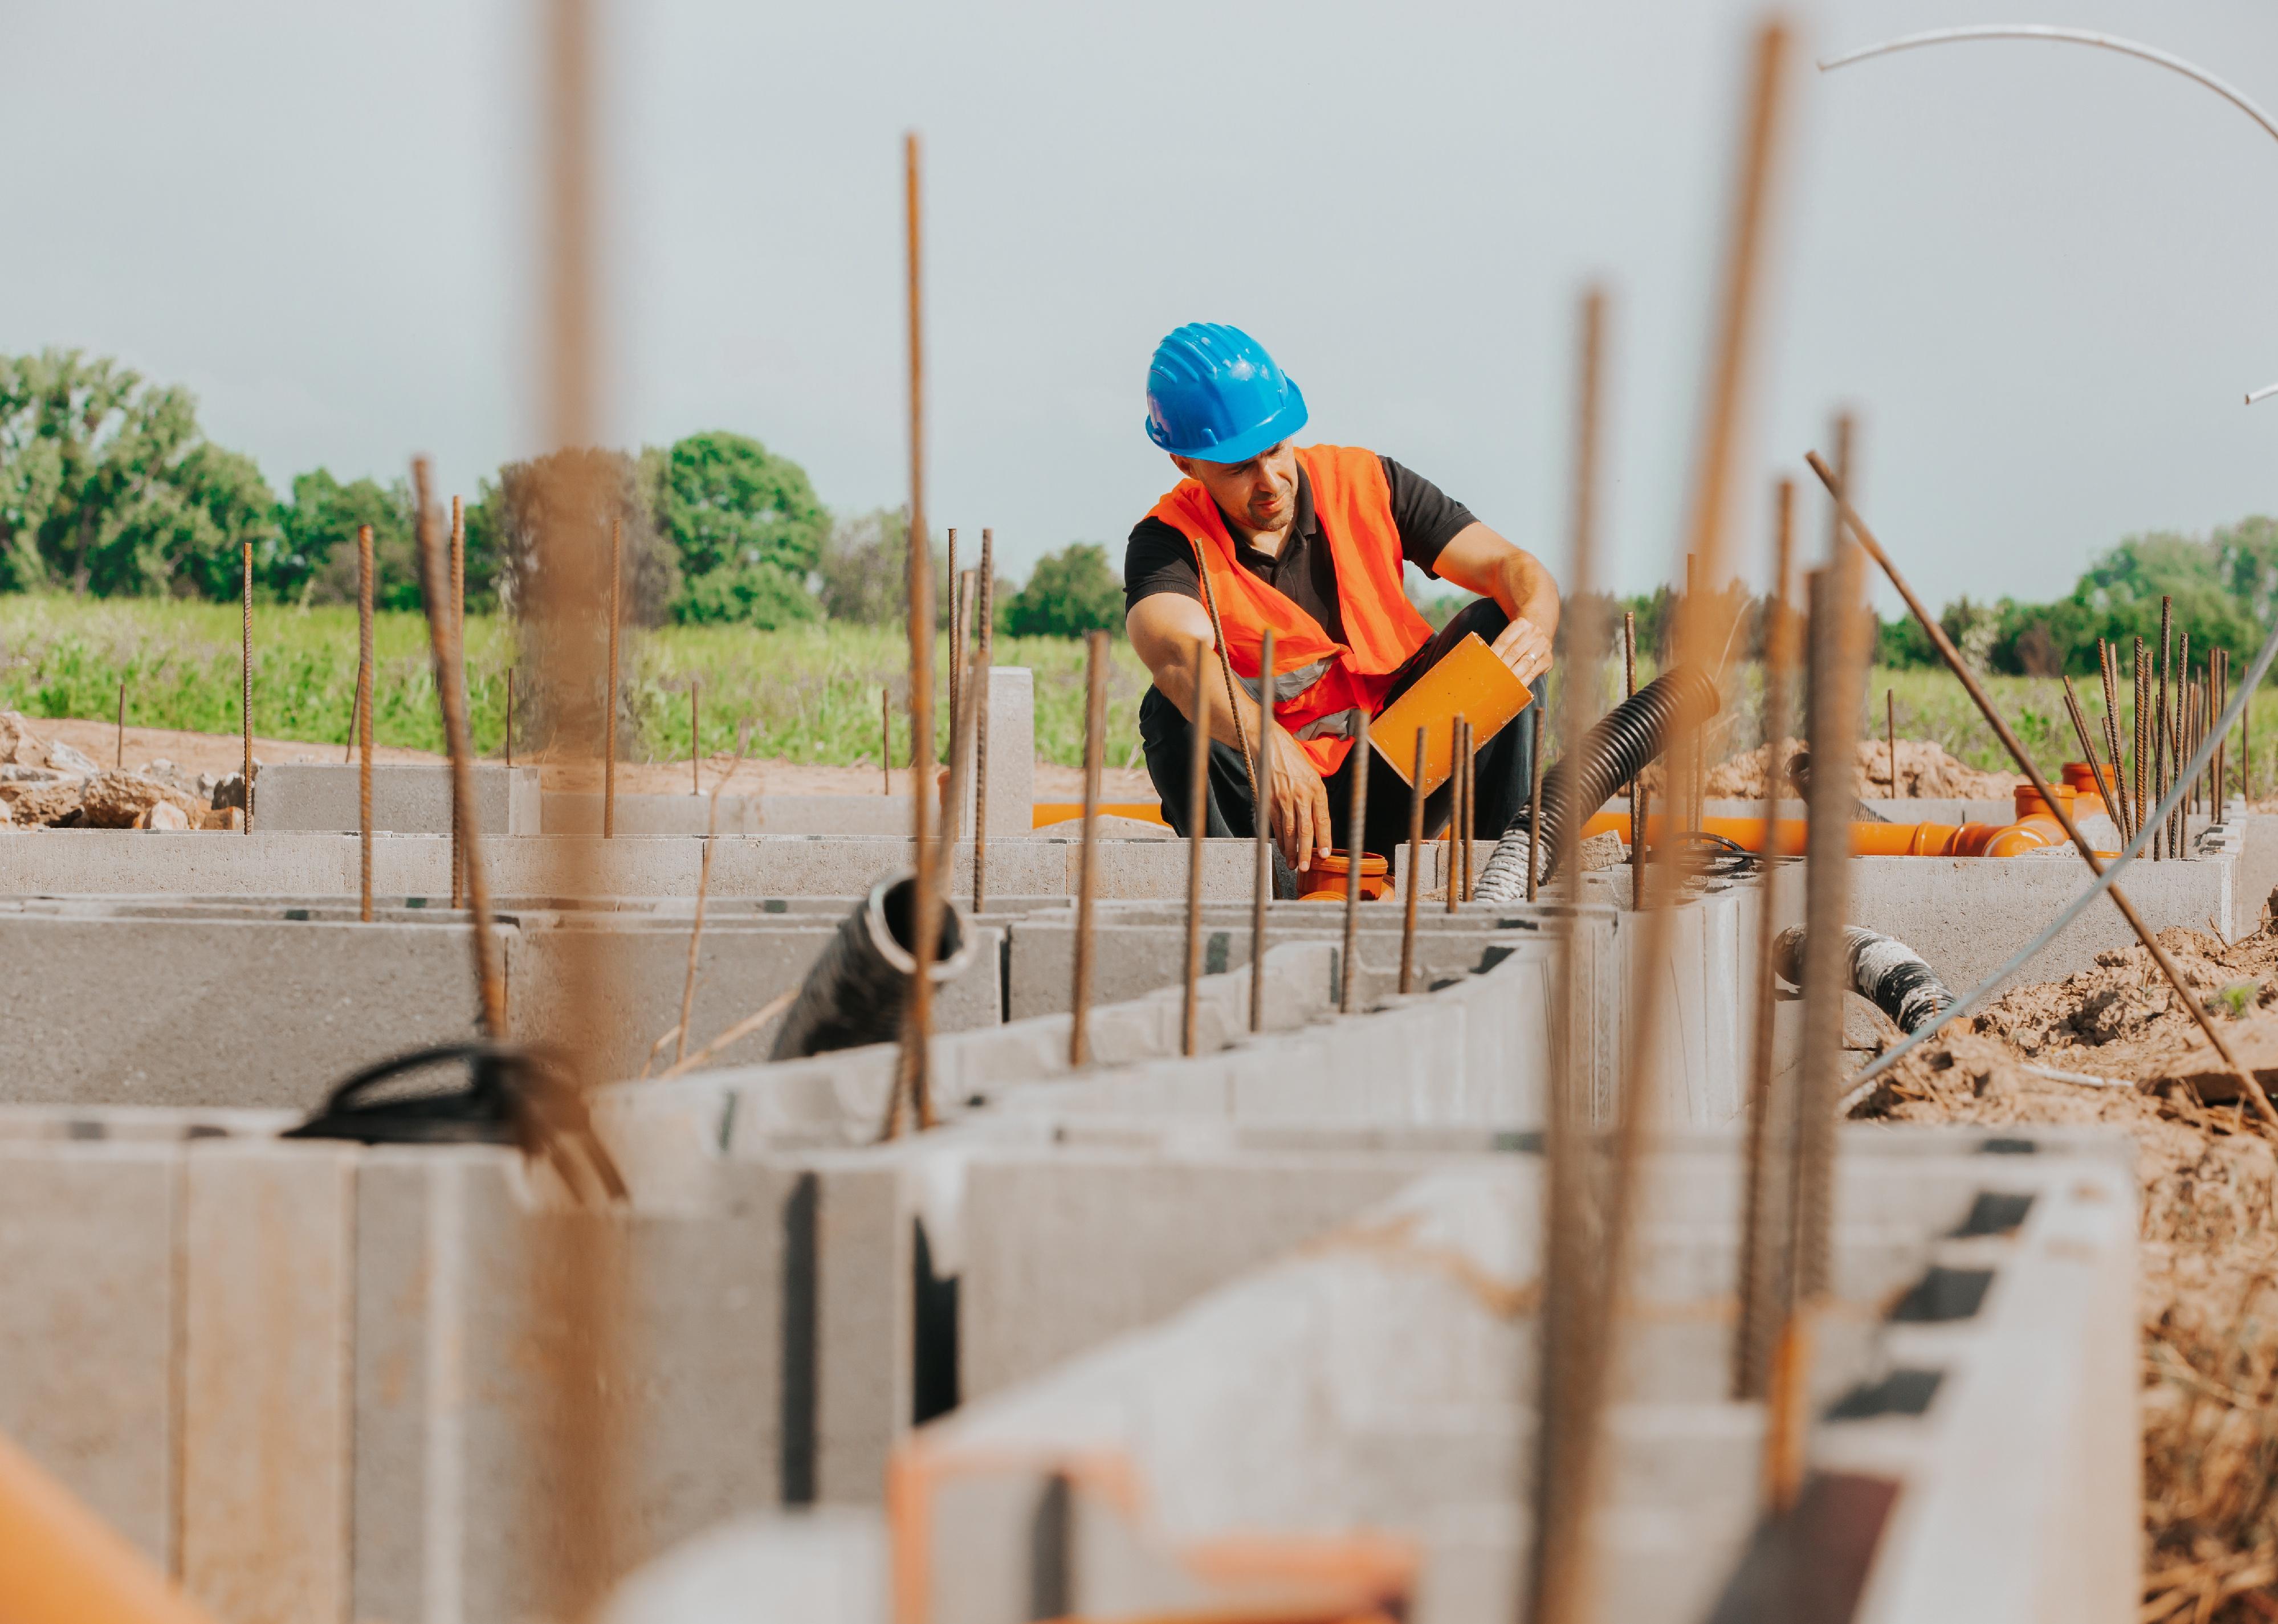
<point>1505,766</point>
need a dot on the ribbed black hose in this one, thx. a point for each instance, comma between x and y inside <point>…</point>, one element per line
<point>855,993</point>
<point>1884,971</point>
<point>1626,740</point>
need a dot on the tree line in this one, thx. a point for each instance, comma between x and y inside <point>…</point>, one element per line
<point>109,488</point>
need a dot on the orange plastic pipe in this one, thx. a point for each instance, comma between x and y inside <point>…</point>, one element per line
<point>1868,840</point>
<point>61,1563</point>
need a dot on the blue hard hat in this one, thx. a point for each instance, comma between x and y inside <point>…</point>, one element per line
<point>1214,395</point>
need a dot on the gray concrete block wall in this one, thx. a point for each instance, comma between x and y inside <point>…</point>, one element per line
<point>88,1243</point>
<point>406,797</point>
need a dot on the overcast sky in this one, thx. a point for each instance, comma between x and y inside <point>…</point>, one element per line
<point>2044,275</point>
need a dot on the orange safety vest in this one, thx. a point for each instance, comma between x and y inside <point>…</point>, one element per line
<point>1317,681</point>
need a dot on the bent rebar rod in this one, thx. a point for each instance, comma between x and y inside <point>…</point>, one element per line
<point>2174,64</point>
<point>1969,1001</point>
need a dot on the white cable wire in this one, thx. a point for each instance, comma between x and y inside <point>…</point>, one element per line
<point>2222,88</point>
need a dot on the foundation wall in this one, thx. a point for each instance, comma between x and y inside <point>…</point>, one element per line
<point>406,797</point>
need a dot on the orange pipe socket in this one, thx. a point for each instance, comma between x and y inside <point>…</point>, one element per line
<point>1327,880</point>
<point>61,1563</point>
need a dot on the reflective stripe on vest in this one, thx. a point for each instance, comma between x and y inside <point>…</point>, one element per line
<point>1352,503</point>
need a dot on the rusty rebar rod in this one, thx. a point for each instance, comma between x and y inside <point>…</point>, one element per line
<point>985,654</point>
<point>1764,1243</point>
<point>1637,784</point>
<point>118,757</point>
<point>1580,1353</point>
<point>1534,806</point>
<point>1415,869</point>
<point>961,592</point>
<point>914,1082</point>
<point>2121,808</point>
<point>2141,717</point>
<point>509,718</point>
<point>1356,859</point>
<point>1226,669</point>
<point>2162,736</point>
<point>955,631</point>
<point>458,614</point>
<point>2248,1085</point>
<point>1455,867</point>
<point>703,890</point>
<point>1197,830</point>
<point>245,706</point>
<point>1471,806</point>
<point>696,739</point>
<point>1261,830</point>
<point>2088,750</point>
<point>1095,729</point>
<point>885,741</point>
<point>1891,733</point>
<point>363,713</point>
<point>443,641</point>
<point>609,704</point>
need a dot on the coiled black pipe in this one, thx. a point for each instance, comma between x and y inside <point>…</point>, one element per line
<point>855,993</point>
<point>1626,740</point>
<point>1884,971</point>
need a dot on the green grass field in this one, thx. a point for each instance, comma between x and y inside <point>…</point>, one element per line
<point>810,695</point>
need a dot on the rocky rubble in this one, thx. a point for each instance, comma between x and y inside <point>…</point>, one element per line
<point>50,785</point>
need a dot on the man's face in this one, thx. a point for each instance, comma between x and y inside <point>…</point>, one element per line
<point>1260,494</point>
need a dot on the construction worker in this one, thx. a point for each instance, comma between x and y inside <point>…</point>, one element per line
<point>1310,540</point>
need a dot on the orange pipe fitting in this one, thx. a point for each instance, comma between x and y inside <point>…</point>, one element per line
<point>1327,880</point>
<point>2034,829</point>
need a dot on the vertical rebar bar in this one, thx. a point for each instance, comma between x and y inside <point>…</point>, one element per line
<point>1261,822</point>
<point>695,738</point>
<point>609,714</point>
<point>2088,749</point>
<point>119,758</point>
<point>1456,831</point>
<point>509,718</point>
<point>247,704</point>
<point>913,1080</point>
<point>1637,784</point>
<point>1415,868</point>
<point>2122,811</point>
<point>1534,807</point>
<point>1469,844</point>
<point>2179,824</point>
<point>458,614</point>
<point>1226,669</point>
<point>962,592</point>
<point>1770,1121</point>
<point>984,616</point>
<point>364,710</point>
<point>1356,859</point>
<point>956,632</point>
<point>886,742</point>
<point>1891,733</point>
<point>2141,716</point>
<point>1094,729</point>
<point>1197,830</point>
<point>2161,736</point>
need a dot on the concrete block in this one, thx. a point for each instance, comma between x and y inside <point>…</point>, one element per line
<point>407,799</point>
<point>827,1565</point>
<point>1063,1251</point>
<point>88,862</point>
<point>267,1419</point>
<point>1966,916</point>
<point>461,1301</point>
<point>222,1012</point>
<point>579,812</point>
<point>88,1241</point>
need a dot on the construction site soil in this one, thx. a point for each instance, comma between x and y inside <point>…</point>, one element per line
<point>2209,1284</point>
<point>1926,771</point>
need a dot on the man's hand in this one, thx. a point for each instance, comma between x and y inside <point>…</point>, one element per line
<point>1525,648</point>
<point>1300,804</point>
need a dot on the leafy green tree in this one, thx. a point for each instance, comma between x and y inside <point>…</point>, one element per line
<point>316,561</point>
<point>108,487</point>
<point>1069,593</point>
<point>746,527</point>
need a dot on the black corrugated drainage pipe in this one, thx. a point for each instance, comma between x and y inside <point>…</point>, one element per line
<point>1884,971</point>
<point>1627,739</point>
<point>855,993</point>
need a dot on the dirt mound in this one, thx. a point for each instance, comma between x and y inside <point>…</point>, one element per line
<point>1925,770</point>
<point>2209,1288</point>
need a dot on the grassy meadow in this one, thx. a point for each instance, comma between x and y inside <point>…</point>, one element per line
<point>811,695</point>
